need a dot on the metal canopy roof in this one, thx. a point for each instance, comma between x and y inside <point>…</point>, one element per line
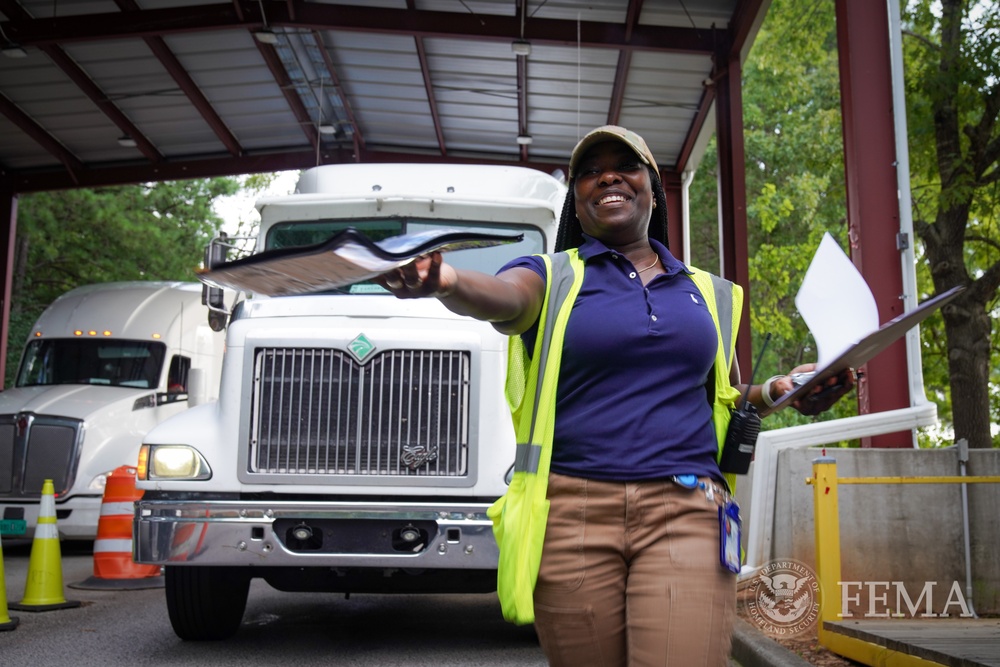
<point>98,92</point>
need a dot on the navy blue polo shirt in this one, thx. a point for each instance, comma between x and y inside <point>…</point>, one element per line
<point>632,402</point>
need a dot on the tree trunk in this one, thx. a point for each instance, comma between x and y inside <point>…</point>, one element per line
<point>967,320</point>
<point>967,326</point>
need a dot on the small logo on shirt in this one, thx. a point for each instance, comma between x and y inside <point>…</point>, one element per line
<point>695,299</point>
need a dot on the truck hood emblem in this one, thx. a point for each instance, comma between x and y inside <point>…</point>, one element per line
<point>417,455</point>
<point>360,347</point>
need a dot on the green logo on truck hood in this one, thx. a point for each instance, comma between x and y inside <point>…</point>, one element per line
<point>360,347</point>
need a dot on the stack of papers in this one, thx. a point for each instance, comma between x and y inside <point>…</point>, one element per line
<point>344,259</point>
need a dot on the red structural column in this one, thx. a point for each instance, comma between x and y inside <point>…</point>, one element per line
<point>732,191</point>
<point>675,212</point>
<point>872,200</point>
<point>8,233</point>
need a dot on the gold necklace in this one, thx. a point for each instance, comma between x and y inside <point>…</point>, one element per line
<point>656,258</point>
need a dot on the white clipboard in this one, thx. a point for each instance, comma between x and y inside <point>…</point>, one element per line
<point>868,347</point>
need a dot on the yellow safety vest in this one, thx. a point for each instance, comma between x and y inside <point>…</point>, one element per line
<point>519,517</point>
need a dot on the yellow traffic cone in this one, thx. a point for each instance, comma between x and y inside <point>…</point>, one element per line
<point>6,622</point>
<point>43,590</point>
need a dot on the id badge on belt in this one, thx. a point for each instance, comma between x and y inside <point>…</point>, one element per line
<point>730,536</point>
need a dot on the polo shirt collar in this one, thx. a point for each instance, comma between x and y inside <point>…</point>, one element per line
<point>592,248</point>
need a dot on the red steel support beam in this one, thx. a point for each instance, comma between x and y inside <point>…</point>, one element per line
<point>8,239</point>
<point>624,63</point>
<point>872,203</point>
<point>186,84</point>
<point>521,75</point>
<point>672,185</point>
<point>295,104</point>
<point>87,85</point>
<point>732,191</point>
<point>246,164</point>
<point>425,72</point>
<point>359,139</point>
<point>319,16</point>
<point>41,137</point>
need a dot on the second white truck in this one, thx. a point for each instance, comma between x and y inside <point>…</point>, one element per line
<point>358,439</point>
<point>103,364</point>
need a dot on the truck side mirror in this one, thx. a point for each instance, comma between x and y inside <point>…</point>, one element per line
<point>213,297</point>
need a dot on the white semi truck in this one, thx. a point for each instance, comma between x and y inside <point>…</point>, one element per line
<point>358,439</point>
<point>103,364</point>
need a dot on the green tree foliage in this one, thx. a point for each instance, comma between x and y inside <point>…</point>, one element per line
<point>77,237</point>
<point>795,180</point>
<point>795,188</point>
<point>952,54</point>
<point>240,205</point>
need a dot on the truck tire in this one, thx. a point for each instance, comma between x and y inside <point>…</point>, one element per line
<point>205,603</point>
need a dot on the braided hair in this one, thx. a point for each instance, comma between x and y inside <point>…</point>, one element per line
<point>570,233</point>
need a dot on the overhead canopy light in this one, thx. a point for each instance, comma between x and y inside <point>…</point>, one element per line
<point>14,51</point>
<point>266,36</point>
<point>521,47</point>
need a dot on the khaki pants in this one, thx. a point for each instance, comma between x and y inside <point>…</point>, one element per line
<point>630,575</point>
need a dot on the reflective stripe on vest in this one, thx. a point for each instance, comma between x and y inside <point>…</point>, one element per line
<point>520,516</point>
<point>725,301</point>
<point>724,312</point>
<point>526,457</point>
<point>561,283</point>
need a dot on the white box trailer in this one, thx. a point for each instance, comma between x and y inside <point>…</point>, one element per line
<point>358,439</point>
<point>102,366</point>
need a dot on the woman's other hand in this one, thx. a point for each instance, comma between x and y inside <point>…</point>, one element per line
<point>823,395</point>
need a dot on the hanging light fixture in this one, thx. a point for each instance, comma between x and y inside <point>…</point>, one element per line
<point>14,51</point>
<point>521,47</point>
<point>265,35</point>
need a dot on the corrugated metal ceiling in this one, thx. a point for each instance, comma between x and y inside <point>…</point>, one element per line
<point>203,88</point>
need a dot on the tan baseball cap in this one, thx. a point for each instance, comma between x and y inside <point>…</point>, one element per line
<point>612,133</point>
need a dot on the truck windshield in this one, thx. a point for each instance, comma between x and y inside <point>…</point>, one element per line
<point>118,363</point>
<point>488,260</point>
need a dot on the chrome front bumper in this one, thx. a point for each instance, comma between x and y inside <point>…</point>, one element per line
<point>333,534</point>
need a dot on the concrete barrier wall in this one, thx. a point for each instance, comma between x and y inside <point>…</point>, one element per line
<point>898,533</point>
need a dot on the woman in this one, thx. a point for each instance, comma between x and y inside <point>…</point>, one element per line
<point>630,570</point>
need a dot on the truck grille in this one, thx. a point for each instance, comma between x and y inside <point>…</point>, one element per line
<point>317,411</point>
<point>34,448</point>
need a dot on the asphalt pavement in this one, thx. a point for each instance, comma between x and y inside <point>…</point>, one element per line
<point>131,627</point>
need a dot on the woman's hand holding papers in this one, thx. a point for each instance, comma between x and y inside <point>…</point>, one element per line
<point>425,276</point>
<point>822,395</point>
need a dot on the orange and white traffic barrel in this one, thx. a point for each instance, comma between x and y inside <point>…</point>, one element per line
<point>113,564</point>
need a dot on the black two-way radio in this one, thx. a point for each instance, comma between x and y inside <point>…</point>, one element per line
<point>744,427</point>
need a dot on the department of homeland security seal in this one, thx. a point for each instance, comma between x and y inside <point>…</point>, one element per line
<point>783,598</point>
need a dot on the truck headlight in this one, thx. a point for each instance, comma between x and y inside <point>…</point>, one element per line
<point>99,482</point>
<point>172,462</point>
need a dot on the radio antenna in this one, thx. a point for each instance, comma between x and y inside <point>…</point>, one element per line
<point>753,371</point>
